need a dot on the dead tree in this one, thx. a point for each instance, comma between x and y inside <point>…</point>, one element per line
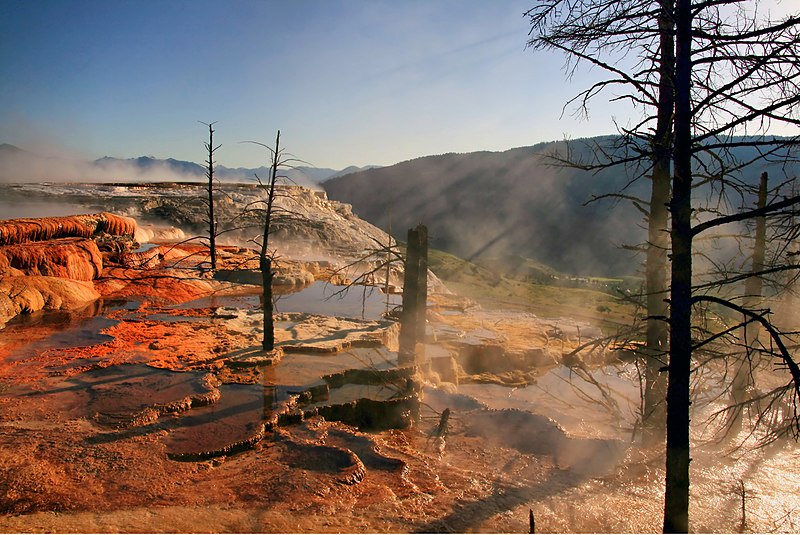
<point>415,296</point>
<point>279,159</point>
<point>730,74</point>
<point>746,366</point>
<point>599,32</point>
<point>733,74</point>
<point>209,202</point>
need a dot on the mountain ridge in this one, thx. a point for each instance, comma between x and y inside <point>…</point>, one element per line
<point>514,202</point>
<point>20,165</point>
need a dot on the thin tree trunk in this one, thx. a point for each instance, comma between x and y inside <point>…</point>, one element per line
<point>676,499</point>
<point>658,243</point>
<point>268,342</point>
<point>753,285</point>
<point>408,319</point>
<point>746,365</point>
<point>212,222</point>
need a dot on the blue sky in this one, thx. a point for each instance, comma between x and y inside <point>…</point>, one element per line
<point>347,82</point>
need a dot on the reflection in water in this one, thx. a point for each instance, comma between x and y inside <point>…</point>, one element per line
<point>361,302</point>
<point>42,331</point>
<point>576,404</point>
<point>125,395</point>
<point>364,302</point>
<point>298,371</point>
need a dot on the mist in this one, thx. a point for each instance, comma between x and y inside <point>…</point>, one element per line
<point>24,166</point>
<point>38,164</point>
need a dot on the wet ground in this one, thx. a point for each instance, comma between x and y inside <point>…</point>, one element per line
<point>133,417</point>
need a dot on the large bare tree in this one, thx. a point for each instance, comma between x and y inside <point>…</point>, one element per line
<point>603,33</point>
<point>733,73</point>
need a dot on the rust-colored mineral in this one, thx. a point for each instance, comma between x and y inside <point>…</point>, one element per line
<point>66,258</point>
<point>13,231</point>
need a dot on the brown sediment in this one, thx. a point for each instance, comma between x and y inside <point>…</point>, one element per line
<point>165,286</point>
<point>255,449</point>
<point>315,457</point>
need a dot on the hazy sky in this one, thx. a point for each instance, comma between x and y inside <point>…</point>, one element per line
<point>347,82</point>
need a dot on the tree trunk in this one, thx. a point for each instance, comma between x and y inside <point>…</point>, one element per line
<point>422,291</point>
<point>656,263</point>
<point>746,365</point>
<point>676,498</point>
<point>753,284</point>
<point>212,230</point>
<point>212,222</point>
<point>408,319</point>
<point>268,342</point>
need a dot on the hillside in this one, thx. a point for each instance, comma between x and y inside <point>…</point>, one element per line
<point>516,291</point>
<point>500,204</point>
<point>512,204</point>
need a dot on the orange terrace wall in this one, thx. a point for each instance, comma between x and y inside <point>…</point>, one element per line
<point>16,231</point>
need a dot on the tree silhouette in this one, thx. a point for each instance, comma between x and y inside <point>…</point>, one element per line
<point>209,202</point>
<point>734,73</point>
<point>279,159</point>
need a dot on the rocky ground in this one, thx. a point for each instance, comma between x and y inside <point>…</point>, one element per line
<point>135,397</point>
<point>134,381</point>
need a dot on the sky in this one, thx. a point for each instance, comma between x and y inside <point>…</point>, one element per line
<point>347,82</point>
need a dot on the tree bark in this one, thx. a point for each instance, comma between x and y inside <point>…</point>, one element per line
<point>268,342</point>
<point>656,262</point>
<point>676,499</point>
<point>212,222</point>
<point>746,364</point>
<point>753,285</point>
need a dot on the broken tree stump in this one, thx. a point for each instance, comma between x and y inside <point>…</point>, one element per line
<point>415,297</point>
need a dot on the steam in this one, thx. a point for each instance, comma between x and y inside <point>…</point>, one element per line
<point>501,204</point>
<point>22,166</point>
<point>44,163</point>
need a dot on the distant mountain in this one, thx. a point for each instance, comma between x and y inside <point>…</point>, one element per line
<point>349,170</point>
<point>149,164</point>
<point>300,175</point>
<point>8,149</point>
<point>19,165</point>
<point>502,204</point>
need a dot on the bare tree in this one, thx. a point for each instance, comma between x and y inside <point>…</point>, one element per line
<point>602,33</point>
<point>731,72</point>
<point>279,159</point>
<point>734,73</point>
<point>209,202</point>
